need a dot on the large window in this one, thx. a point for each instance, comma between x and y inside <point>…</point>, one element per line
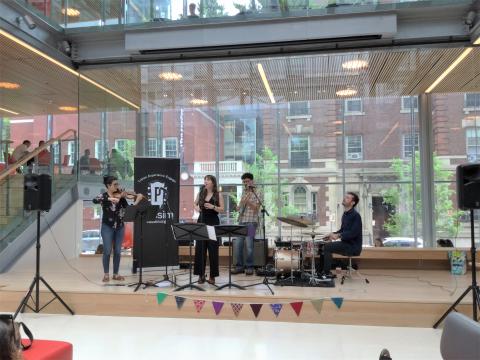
<point>151,150</point>
<point>410,144</point>
<point>472,101</point>
<point>101,149</point>
<point>408,102</point>
<point>473,143</point>
<point>300,199</point>
<point>298,108</point>
<point>353,147</point>
<point>299,151</point>
<point>170,147</point>
<point>353,107</point>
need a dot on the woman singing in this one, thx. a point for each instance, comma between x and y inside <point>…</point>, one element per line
<point>209,203</point>
<point>114,202</point>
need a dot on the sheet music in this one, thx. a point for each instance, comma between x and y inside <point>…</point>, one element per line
<point>211,233</point>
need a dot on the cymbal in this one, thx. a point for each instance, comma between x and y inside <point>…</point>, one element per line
<point>313,233</point>
<point>294,221</point>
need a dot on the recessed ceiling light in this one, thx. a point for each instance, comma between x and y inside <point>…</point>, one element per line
<point>68,108</point>
<point>71,12</point>
<point>9,85</point>
<point>170,76</point>
<point>346,92</point>
<point>198,102</point>
<point>355,64</point>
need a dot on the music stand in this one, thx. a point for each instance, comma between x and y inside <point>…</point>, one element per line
<point>190,232</point>
<point>142,211</point>
<point>229,230</point>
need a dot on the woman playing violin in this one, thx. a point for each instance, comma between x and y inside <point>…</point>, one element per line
<point>114,202</point>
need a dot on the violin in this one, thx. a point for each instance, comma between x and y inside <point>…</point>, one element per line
<point>130,195</point>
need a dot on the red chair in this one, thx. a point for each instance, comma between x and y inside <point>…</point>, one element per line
<point>49,350</point>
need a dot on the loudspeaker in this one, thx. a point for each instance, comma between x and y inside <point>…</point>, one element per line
<point>37,192</point>
<point>468,186</point>
<point>258,253</point>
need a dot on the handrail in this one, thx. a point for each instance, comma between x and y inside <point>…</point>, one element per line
<point>34,153</point>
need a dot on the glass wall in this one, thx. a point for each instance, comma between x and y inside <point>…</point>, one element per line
<point>84,13</point>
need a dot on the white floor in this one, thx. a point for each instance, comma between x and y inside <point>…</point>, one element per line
<point>101,337</point>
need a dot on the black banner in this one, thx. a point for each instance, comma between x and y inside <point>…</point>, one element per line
<point>158,179</point>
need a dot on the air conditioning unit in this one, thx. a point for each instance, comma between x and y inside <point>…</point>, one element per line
<point>354,156</point>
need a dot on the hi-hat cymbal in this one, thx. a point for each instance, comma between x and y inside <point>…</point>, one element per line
<point>313,233</point>
<point>295,221</point>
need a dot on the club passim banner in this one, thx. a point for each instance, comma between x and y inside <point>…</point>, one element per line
<point>158,179</point>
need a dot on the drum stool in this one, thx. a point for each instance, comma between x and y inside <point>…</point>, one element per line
<point>350,271</point>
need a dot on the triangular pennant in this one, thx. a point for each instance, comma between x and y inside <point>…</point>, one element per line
<point>297,307</point>
<point>338,301</point>
<point>161,297</point>
<point>276,308</point>
<point>199,304</point>
<point>236,308</point>
<point>317,304</point>
<point>180,301</point>
<point>256,309</point>
<point>217,306</point>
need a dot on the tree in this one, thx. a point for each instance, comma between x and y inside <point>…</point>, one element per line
<point>265,171</point>
<point>400,199</point>
<point>211,8</point>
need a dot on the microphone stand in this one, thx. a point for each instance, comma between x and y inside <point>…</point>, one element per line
<point>166,277</point>
<point>264,212</point>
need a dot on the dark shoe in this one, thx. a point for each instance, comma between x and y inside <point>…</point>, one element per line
<point>237,271</point>
<point>211,280</point>
<point>201,279</point>
<point>249,271</point>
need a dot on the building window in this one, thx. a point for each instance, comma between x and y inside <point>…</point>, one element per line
<point>299,151</point>
<point>353,107</point>
<point>300,199</point>
<point>121,145</point>
<point>71,152</point>
<point>170,147</point>
<point>298,108</point>
<point>97,211</point>
<point>314,204</point>
<point>472,101</point>
<point>56,153</point>
<point>473,143</point>
<point>151,147</point>
<point>410,144</point>
<point>407,102</point>
<point>354,147</point>
<point>101,149</point>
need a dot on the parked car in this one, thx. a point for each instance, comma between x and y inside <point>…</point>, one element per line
<point>90,241</point>
<point>402,242</point>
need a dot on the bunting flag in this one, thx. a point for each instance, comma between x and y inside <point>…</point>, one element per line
<point>217,306</point>
<point>337,301</point>
<point>161,297</point>
<point>276,308</point>
<point>199,304</point>
<point>180,301</point>
<point>297,307</point>
<point>236,308</point>
<point>317,304</point>
<point>256,309</point>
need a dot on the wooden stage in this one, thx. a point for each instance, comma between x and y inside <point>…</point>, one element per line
<point>394,297</point>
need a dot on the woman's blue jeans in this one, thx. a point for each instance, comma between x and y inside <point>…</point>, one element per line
<point>112,237</point>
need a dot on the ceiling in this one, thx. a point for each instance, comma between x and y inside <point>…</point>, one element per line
<point>45,87</point>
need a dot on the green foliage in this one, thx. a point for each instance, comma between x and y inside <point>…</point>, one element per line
<point>211,8</point>
<point>400,198</point>
<point>265,171</point>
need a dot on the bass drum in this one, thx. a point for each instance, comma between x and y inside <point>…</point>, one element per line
<point>287,260</point>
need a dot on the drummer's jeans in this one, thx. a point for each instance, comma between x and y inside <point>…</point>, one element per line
<point>335,247</point>
<point>239,243</point>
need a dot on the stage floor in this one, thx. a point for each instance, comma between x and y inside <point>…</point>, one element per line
<point>423,295</point>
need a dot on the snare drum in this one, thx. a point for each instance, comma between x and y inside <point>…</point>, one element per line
<point>286,260</point>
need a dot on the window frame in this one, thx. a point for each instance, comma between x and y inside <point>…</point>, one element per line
<point>164,148</point>
<point>348,112</point>
<point>290,151</point>
<point>347,153</point>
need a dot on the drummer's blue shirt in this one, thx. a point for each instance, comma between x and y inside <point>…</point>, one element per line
<point>351,230</point>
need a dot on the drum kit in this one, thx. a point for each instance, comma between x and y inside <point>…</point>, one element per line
<point>289,257</point>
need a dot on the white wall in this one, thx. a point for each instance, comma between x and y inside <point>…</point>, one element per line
<point>67,231</point>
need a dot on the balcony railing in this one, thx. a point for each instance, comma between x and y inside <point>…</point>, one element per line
<point>225,167</point>
<point>80,13</point>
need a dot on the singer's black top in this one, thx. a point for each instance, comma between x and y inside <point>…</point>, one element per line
<point>209,216</point>
<point>112,213</point>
